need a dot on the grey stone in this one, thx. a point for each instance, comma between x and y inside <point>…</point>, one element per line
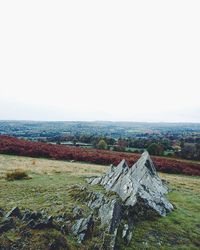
<point>14,212</point>
<point>50,219</point>
<point>30,223</point>
<point>6,224</point>
<point>127,234</point>
<point>138,182</point>
<point>125,229</point>
<point>83,228</point>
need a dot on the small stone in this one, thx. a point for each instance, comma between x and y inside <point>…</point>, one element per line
<point>50,220</point>
<point>31,223</point>
<point>77,212</point>
<point>14,212</point>
<point>64,229</point>
<point>125,229</point>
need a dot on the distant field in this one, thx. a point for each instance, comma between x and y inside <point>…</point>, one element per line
<point>48,191</point>
<point>11,145</point>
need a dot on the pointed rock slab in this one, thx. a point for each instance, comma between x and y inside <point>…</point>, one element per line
<point>83,228</point>
<point>138,184</point>
<point>15,211</point>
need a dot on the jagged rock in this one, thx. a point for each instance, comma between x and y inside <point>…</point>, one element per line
<point>105,207</point>
<point>28,215</point>
<point>142,195</point>
<point>50,219</point>
<point>6,224</point>
<point>14,212</point>
<point>109,210</point>
<point>30,223</point>
<point>138,182</point>
<point>83,228</point>
<point>127,234</point>
<point>41,224</point>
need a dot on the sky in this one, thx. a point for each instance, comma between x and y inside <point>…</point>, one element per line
<point>100,60</point>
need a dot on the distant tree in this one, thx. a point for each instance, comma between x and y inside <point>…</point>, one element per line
<point>102,144</point>
<point>110,141</point>
<point>155,149</point>
<point>122,144</point>
<point>166,144</point>
<point>188,151</point>
<point>198,151</point>
<point>182,144</point>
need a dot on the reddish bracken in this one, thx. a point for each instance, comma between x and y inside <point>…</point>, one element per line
<point>11,145</point>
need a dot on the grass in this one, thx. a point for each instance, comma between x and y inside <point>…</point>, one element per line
<point>48,191</point>
<point>48,185</point>
<point>181,228</point>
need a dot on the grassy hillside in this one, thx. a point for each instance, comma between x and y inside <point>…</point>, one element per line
<point>48,190</point>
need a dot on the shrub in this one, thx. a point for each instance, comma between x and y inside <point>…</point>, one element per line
<point>17,175</point>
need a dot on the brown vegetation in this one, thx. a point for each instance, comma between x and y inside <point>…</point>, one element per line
<point>16,175</point>
<point>11,145</point>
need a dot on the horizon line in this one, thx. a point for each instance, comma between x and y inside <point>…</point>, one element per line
<point>93,121</point>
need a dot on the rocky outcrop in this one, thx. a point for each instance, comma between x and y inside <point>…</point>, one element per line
<point>140,196</point>
<point>136,184</point>
<point>27,224</point>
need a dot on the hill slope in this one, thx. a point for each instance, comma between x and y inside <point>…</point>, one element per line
<point>48,191</point>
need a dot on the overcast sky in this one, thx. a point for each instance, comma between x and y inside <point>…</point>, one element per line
<point>100,60</point>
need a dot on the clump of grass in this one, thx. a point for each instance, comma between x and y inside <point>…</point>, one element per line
<point>17,174</point>
<point>33,162</point>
